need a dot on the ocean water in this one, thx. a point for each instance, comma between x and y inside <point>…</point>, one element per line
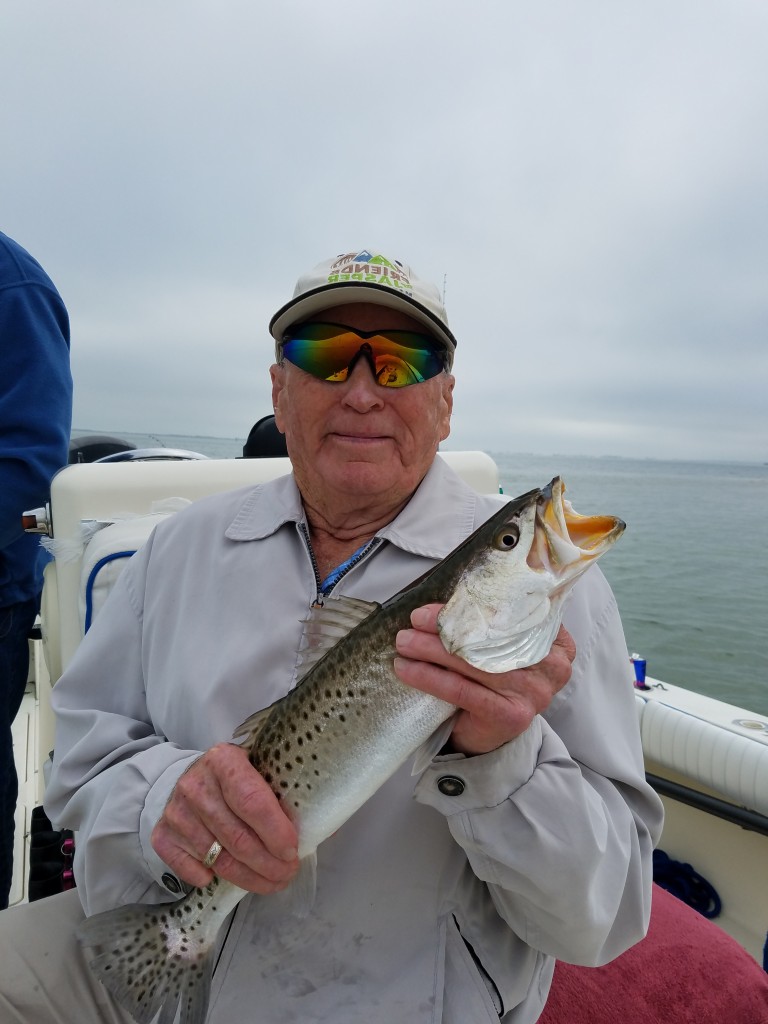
<point>690,573</point>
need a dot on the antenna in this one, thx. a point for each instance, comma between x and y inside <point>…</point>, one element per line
<point>445,282</point>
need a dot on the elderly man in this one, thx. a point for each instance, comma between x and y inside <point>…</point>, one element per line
<point>433,903</point>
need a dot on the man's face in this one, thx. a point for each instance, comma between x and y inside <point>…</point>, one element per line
<point>355,443</point>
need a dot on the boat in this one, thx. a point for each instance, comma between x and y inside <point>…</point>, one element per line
<point>707,759</point>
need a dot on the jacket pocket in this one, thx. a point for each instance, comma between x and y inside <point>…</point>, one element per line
<point>470,993</point>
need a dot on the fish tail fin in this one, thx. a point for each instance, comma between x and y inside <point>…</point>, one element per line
<point>150,959</point>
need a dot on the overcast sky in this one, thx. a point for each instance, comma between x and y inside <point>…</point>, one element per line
<point>587,179</point>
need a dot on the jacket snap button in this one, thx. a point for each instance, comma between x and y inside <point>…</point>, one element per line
<point>449,785</point>
<point>171,882</point>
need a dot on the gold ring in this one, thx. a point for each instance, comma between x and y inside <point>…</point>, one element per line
<point>210,858</point>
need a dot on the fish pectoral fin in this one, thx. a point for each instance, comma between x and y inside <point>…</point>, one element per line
<point>429,750</point>
<point>304,886</point>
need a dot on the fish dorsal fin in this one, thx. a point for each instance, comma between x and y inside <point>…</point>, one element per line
<point>323,628</point>
<point>329,623</point>
<point>251,727</point>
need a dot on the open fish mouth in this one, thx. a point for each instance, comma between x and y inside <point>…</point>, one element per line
<point>564,539</point>
<point>512,619</point>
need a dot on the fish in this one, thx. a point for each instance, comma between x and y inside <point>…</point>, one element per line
<point>349,724</point>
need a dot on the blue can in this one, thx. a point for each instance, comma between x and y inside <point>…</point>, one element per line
<point>639,664</point>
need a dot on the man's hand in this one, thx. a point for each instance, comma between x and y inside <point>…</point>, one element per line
<point>495,707</point>
<point>222,797</point>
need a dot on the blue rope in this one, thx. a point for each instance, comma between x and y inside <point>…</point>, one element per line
<point>685,883</point>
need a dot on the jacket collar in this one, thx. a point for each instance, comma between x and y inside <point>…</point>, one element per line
<point>440,514</point>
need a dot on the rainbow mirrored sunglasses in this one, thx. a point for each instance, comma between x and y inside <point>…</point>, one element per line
<point>330,351</point>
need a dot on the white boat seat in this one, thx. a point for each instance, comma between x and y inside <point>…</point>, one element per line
<point>683,740</point>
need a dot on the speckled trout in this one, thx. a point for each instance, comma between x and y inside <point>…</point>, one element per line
<point>349,724</point>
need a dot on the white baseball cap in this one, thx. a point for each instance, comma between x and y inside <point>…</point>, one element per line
<point>365,276</point>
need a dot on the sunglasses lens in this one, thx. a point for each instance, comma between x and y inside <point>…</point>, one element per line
<point>398,358</point>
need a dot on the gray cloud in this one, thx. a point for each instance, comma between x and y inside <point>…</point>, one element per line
<point>587,180</point>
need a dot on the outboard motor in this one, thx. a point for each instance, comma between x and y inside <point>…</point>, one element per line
<point>91,447</point>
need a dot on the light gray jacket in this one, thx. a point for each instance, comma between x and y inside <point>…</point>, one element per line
<point>430,907</point>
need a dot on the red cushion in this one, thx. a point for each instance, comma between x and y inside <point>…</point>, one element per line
<point>685,970</point>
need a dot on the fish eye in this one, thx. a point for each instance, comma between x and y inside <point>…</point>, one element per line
<point>507,537</point>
